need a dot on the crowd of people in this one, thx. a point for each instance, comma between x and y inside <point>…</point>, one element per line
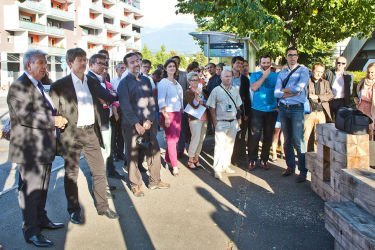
<point>116,119</point>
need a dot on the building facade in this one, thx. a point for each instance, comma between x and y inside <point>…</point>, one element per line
<point>57,25</point>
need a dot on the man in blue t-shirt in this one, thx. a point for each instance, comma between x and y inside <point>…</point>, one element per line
<point>263,113</point>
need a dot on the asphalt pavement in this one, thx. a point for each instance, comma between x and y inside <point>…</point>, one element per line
<point>246,210</point>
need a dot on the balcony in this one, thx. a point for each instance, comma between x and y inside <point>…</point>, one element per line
<point>95,39</point>
<point>56,51</point>
<point>91,23</point>
<point>34,6</point>
<point>108,12</point>
<point>61,15</point>
<point>137,23</point>
<point>96,8</point>
<point>109,1</point>
<point>55,31</point>
<point>111,27</point>
<point>32,26</point>
<point>131,45</point>
<point>126,32</point>
<point>131,7</point>
<point>136,34</point>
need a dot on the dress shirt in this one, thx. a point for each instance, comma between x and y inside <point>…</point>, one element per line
<point>297,84</point>
<point>86,113</point>
<point>35,83</point>
<point>126,72</point>
<point>236,82</point>
<point>220,100</point>
<point>115,82</point>
<point>338,86</point>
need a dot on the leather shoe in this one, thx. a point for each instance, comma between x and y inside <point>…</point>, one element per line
<point>76,218</point>
<point>50,225</point>
<point>300,178</point>
<point>39,241</point>
<point>288,172</point>
<point>109,213</point>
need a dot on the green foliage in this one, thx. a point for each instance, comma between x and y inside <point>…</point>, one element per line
<point>314,25</point>
<point>358,75</point>
<point>162,55</point>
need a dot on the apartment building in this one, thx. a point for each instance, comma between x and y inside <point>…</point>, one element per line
<point>57,25</point>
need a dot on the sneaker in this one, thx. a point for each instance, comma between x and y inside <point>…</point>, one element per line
<point>252,165</point>
<point>160,185</point>
<point>218,175</point>
<point>228,170</point>
<point>137,191</point>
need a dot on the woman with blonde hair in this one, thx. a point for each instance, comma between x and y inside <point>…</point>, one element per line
<point>365,99</point>
<point>198,125</point>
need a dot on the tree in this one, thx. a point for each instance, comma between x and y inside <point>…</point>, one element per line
<point>161,56</point>
<point>314,26</point>
<point>146,53</point>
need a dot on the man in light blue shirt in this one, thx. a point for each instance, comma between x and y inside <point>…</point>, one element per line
<point>263,113</point>
<point>292,95</point>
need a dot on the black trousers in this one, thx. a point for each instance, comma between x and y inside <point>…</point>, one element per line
<point>260,122</point>
<point>88,143</point>
<point>334,106</point>
<point>239,147</point>
<point>32,196</point>
<point>117,139</point>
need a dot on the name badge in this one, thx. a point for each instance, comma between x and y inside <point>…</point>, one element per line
<point>229,108</point>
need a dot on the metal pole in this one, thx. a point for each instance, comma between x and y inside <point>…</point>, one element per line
<point>208,48</point>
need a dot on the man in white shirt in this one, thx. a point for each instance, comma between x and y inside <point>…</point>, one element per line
<point>76,97</point>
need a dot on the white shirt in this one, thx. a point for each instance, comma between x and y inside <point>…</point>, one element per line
<point>338,86</point>
<point>126,72</point>
<point>35,83</point>
<point>86,113</point>
<point>115,82</point>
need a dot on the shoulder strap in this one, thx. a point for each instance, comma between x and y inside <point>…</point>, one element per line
<point>285,82</point>
<point>229,96</point>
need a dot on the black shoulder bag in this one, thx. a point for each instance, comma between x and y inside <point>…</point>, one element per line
<point>238,114</point>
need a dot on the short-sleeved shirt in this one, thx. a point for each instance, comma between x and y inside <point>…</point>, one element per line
<point>264,98</point>
<point>220,100</point>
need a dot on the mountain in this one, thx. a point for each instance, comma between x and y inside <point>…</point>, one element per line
<point>175,37</point>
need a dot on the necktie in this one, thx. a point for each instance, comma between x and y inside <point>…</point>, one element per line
<point>49,105</point>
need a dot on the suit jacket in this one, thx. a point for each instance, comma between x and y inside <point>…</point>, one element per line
<point>64,98</point>
<point>104,113</point>
<point>182,79</point>
<point>324,97</point>
<point>32,138</point>
<point>245,95</point>
<point>348,84</point>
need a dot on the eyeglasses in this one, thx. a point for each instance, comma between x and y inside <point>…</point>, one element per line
<point>292,55</point>
<point>102,64</point>
<point>339,63</point>
<point>194,80</point>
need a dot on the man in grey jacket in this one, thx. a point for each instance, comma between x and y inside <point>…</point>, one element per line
<point>138,116</point>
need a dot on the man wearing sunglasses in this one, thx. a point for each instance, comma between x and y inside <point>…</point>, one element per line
<point>341,83</point>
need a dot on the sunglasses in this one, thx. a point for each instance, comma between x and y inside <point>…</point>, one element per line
<point>338,63</point>
<point>292,55</point>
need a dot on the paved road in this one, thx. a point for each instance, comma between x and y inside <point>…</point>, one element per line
<point>258,210</point>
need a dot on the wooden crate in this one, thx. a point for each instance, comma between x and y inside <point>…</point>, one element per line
<point>323,189</point>
<point>317,166</point>
<point>359,187</point>
<point>351,226</point>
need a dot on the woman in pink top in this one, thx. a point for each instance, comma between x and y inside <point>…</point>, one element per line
<point>198,125</point>
<point>170,101</point>
<point>366,97</point>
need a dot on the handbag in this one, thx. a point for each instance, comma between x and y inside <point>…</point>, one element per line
<point>238,114</point>
<point>352,121</point>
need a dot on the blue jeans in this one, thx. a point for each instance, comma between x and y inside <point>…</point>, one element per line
<point>292,120</point>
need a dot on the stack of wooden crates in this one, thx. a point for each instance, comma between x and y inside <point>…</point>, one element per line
<point>341,176</point>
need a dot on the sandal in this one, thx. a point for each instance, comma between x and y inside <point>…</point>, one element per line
<point>196,162</point>
<point>175,171</point>
<point>191,164</point>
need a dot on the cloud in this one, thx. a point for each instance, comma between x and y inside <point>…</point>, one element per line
<point>161,13</point>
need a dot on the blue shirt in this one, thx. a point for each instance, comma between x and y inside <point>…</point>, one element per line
<point>236,82</point>
<point>263,98</point>
<point>297,84</point>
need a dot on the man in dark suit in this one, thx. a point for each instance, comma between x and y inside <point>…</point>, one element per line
<point>242,83</point>
<point>76,97</point>
<point>97,64</point>
<point>33,145</point>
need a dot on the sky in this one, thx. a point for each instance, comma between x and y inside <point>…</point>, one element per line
<point>160,13</point>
